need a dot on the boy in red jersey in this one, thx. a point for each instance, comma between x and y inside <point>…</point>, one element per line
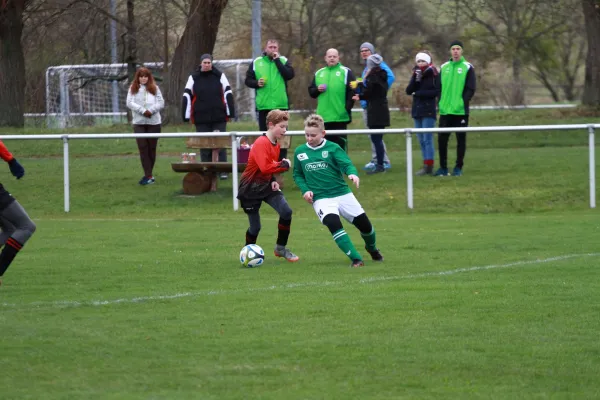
<point>258,184</point>
<point>16,226</point>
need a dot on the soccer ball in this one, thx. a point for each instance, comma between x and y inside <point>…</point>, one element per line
<point>252,256</point>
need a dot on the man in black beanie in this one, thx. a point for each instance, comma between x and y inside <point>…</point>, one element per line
<point>458,87</point>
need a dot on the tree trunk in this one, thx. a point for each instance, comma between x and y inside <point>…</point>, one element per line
<point>131,41</point>
<point>198,38</point>
<point>517,94</point>
<point>591,89</point>
<point>12,64</point>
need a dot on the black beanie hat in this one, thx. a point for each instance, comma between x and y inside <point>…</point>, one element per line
<point>203,56</point>
<point>456,43</point>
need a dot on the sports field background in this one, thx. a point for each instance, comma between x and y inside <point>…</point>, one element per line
<point>489,288</point>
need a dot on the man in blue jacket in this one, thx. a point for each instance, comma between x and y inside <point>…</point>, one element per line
<point>366,49</point>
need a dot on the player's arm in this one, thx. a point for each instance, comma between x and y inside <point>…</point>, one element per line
<point>265,162</point>
<point>132,105</point>
<point>228,95</point>
<point>15,168</point>
<point>286,70</point>
<point>344,162</point>
<point>391,78</point>
<point>313,90</point>
<point>160,102</point>
<point>298,174</point>
<point>350,92</point>
<point>188,93</point>
<point>251,80</point>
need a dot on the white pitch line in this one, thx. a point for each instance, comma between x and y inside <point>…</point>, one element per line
<point>142,299</point>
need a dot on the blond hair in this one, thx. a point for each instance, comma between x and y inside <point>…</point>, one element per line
<point>314,121</point>
<point>276,116</point>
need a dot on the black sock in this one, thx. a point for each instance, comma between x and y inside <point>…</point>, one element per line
<point>8,254</point>
<point>283,231</point>
<point>250,238</point>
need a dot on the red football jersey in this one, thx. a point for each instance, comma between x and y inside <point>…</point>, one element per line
<point>263,162</point>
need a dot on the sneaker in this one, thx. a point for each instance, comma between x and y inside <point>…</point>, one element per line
<point>287,254</point>
<point>441,172</point>
<point>357,263</point>
<point>378,169</point>
<point>375,255</point>
<point>369,166</point>
<point>147,181</point>
<point>457,171</point>
<point>223,176</point>
<point>387,165</point>
<point>426,170</point>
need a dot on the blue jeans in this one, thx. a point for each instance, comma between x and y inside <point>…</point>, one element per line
<point>426,139</point>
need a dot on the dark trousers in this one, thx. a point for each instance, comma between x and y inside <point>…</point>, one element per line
<point>451,121</point>
<point>147,147</point>
<point>377,140</point>
<point>341,140</point>
<point>206,154</point>
<point>262,126</point>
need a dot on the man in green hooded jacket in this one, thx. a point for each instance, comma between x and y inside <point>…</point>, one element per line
<point>331,87</point>
<point>458,87</point>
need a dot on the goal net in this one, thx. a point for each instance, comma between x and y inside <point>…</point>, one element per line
<point>93,94</point>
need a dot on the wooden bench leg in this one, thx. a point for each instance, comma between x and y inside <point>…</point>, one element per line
<point>213,181</point>
<point>195,183</point>
<point>214,176</point>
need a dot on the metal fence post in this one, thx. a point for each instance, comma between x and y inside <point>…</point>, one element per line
<point>234,170</point>
<point>409,169</point>
<point>65,140</point>
<point>592,167</point>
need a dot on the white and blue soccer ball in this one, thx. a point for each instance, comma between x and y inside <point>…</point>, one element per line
<point>252,255</point>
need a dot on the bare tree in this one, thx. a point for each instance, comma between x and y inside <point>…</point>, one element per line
<point>591,91</point>
<point>513,25</point>
<point>12,63</point>
<point>199,37</point>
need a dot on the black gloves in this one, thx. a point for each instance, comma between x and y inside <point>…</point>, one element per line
<point>16,169</point>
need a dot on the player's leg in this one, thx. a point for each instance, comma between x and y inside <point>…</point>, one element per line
<point>152,145</point>
<point>262,120</point>
<point>461,121</point>
<point>353,212</point>
<point>328,213</point>
<point>14,215</point>
<point>443,146</point>
<point>340,140</point>
<point>281,206</point>
<point>252,208</point>
<point>205,154</point>
<point>143,149</point>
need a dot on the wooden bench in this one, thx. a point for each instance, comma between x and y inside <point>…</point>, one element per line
<point>201,177</point>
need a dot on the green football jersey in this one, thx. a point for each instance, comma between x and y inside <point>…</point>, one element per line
<point>321,170</point>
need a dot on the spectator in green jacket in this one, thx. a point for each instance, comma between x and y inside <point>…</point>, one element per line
<point>331,87</point>
<point>457,88</point>
<point>269,74</point>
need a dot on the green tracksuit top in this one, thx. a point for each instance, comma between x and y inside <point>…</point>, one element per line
<point>321,170</point>
<point>273,95</point>
<point>453,75</point>
<point>332,102</point>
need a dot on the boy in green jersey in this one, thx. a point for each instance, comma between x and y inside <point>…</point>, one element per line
<point>319,169</point>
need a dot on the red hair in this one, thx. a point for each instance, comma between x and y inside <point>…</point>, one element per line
<point>150,86</point>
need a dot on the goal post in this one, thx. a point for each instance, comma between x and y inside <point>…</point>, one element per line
<point>93,94</point>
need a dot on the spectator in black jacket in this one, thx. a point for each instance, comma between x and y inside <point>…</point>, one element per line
<point>374,89</point>
<point>208,103</point>
<point>425,87</point>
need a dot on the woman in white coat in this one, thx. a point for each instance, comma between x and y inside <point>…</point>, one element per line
<point>145,101</point>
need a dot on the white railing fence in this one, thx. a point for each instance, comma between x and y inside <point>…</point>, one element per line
<point>408,132</point>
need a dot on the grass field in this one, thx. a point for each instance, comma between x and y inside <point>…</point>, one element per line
<point>490,287</point>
